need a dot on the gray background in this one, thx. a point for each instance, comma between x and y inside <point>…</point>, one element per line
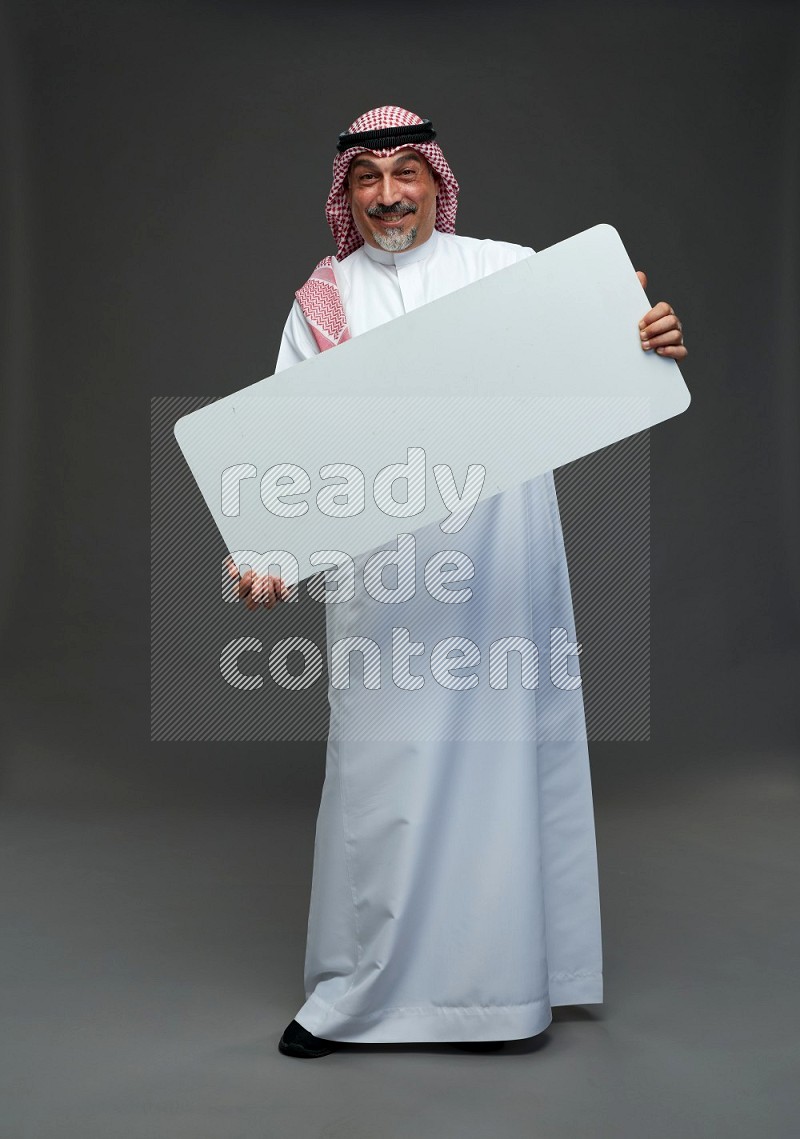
<point>164,168</point>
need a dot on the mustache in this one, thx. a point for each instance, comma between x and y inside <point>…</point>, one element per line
<point>398,209</point>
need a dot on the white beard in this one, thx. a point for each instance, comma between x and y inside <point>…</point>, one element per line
<point>395,241</point>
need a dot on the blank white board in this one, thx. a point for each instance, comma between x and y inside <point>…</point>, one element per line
<point>516,374</point>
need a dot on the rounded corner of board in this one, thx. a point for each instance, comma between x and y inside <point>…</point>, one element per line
<point>606,229</point>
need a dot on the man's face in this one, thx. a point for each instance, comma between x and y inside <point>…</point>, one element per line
<point>393,199</point>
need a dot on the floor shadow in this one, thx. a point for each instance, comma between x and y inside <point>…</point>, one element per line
<point>512,1047</point>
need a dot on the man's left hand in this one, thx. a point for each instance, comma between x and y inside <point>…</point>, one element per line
<point>660,329</point>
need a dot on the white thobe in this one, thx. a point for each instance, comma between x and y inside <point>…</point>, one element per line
<point>454,892</point>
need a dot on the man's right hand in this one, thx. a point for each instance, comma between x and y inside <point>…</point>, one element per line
<point>258,591</point>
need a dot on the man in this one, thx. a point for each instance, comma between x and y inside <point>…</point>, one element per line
<point>454,894</point>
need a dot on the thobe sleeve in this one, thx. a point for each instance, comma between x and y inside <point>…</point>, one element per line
<point>297,342</point>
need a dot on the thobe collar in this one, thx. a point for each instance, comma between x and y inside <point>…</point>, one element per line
<point>408,257</point>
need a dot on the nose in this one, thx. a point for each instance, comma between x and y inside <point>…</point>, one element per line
<point>387,191</point>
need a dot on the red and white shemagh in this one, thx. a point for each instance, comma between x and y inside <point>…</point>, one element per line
<point>319,297</point>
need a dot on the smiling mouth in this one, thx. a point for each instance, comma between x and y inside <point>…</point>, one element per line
<point>393,218</point>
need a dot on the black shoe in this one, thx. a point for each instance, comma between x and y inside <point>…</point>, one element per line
<point>298,1041</point>
<point>479,1045</point>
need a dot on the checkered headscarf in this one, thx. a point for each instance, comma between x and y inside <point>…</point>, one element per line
<point>337,208</point>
